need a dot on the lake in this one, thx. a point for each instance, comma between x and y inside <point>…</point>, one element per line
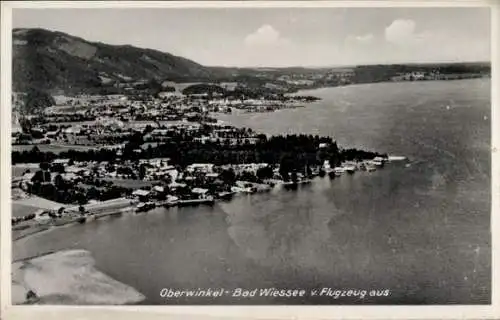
<point>422,231</point>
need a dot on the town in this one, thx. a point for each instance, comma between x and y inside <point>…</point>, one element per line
<point>93,156</point>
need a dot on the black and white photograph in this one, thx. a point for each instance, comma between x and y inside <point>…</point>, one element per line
<point>251,156</point>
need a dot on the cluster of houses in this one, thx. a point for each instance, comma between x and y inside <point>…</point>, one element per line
<point>112,119</point>
<point>108,129</point>
<point>196,181</point>
<point>433,75</point>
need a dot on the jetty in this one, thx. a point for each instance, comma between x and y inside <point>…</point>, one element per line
<point>195,202</point>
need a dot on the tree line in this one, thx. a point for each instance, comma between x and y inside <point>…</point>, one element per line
<point>293,151</point>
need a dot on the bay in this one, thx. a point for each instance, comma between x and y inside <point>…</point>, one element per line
<point>422,231</point>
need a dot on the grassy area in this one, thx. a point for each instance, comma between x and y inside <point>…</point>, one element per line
<point>24,207</point>
<point>18,169</point>
<point>21,210</point>
<point>40,203</point>
<point>130,183</point>
<point>56,148</point>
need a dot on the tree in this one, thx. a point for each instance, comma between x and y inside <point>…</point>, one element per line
<point>57,167</point>
<point>25,125</point>
<point>35,100</point>
<point>59,182</point>
<point>228,176</point>
<point>81,198</point>
<point>248,176</point>
<point>44,166</point>
<point>285,168</point>
<point>92,193</point>
<point>37,177</point>
<point>265,173</point>
<point>308,170</point>
<point>148,129</point>
<point>142,171</point>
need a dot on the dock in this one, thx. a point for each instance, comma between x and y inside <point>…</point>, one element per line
<point>195,202</point>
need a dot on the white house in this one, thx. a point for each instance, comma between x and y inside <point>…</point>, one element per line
<point>140,193</point>
<point>202,167</point>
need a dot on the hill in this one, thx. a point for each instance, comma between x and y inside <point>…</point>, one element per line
<point>50,62</point>
<point>55,61</point>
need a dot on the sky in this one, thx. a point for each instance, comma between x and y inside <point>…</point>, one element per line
<point>280,37</point>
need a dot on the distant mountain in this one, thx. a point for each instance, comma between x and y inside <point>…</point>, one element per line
<point>55,61</point>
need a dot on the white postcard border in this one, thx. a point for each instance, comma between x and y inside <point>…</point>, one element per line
<point>8,311</point>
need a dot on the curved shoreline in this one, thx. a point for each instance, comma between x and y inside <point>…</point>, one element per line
<point>67,277</point>
<point>38,229</point>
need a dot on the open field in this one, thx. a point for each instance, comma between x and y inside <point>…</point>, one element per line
<point>24,207</point>
<point>56,148</point>
<point>18,169</point>
<point>21,210</point>
<point>130,183</point>
<point>39,202</point>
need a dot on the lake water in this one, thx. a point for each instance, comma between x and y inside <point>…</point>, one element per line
<point>422,231</point>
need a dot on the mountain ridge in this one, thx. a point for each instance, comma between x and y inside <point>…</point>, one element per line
<point>54,60</point>
<point>58,63</point>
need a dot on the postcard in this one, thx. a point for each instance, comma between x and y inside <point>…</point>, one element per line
<point>231,159</point>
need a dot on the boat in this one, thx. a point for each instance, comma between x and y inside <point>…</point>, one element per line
<point>338,170</point>
<point>294,184</point>
<point>81,220</point>
<point>140,207</point>
<point>378,163</point>
<point>245,187</point>
<point>370,168</point>
<point>290,185</point>
<point>350,169</point>
<point>225,195</point>
<point>397,158</point>
<point>170,203</point>
<point>251,190</point>
<point>145,206</point>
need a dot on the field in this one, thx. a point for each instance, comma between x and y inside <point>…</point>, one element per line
<point>24,207</point>
<point>18,169</point>
<point>56,148</point>
<point>131,183</point>
<point>21,210</point>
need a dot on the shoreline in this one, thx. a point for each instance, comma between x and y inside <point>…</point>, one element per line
<point>39,229</point>
<point>130,208</point>
<point>306,90</point>
<point>67,277</point>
